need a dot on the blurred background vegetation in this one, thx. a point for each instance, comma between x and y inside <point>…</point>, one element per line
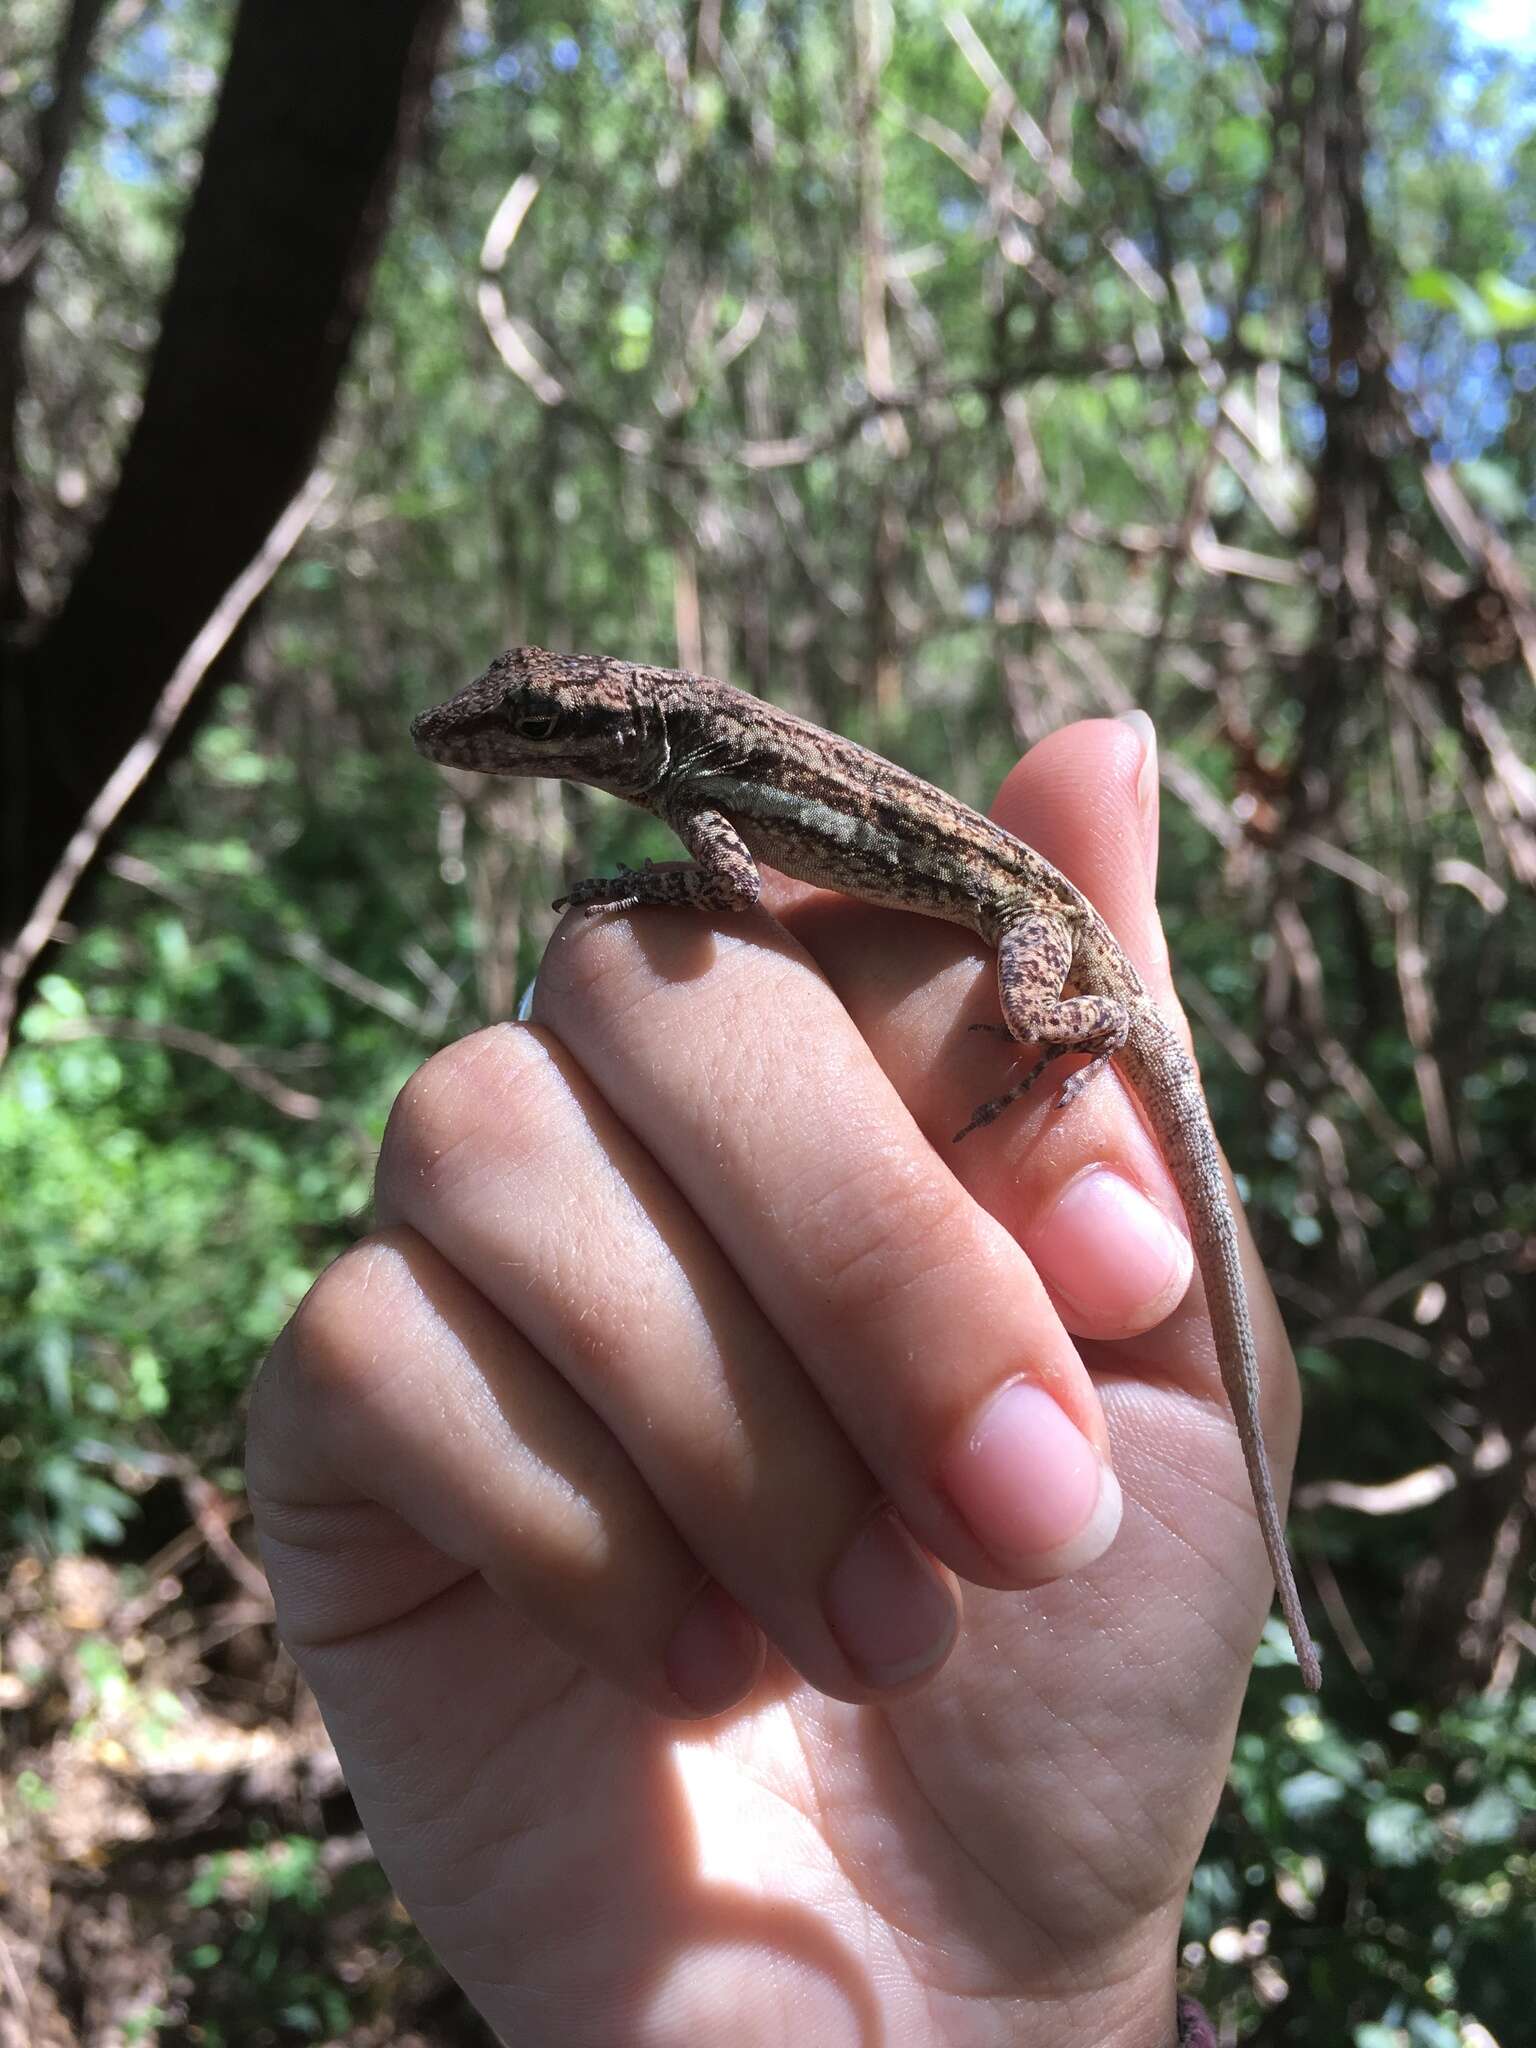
<point>945,376</point>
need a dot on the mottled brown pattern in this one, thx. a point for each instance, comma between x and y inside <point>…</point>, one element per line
<point>740,781</point>
<point>1035,959</point>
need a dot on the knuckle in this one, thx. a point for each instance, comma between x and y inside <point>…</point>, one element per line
<point>434,1102</point>
<point>450,1098</point>
<point>593,969</point>
<point>342,1346</point>
<point>332,1343</point>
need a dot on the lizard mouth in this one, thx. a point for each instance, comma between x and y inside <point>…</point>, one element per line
<point>436,735</point>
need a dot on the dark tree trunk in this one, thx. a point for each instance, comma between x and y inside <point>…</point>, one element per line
<point>320,100</point>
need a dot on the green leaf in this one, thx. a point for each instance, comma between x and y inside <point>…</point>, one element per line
<point>709,104</point>
<point>1509,305</point>
<point>1444,288</point>
<point>632,323</point>
<point>148,1380</point>
<point>101,1666</point>
<point>35,1793</point>
<point>1242,144</point>
<point>1492,488</point>
<point>173,945</point>
<point>61,995</point>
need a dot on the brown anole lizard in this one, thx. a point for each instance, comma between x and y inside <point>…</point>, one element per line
<point>739,781</point>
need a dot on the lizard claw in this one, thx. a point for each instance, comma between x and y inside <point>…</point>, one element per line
<point>1074,1084</point>
<point>985,1115</point>
<point>990,1111</point>
<point>593,897</point>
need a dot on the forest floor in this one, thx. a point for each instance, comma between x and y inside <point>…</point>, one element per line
<point>180,1861</point>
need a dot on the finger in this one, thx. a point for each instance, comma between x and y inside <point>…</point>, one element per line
<point>503,1155</point>
<point>1085,1191</point>
<point>915,1316</point>
<point>1083,797</point>
<point>404,1438</point>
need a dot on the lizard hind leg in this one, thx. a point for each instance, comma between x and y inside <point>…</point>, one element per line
<point>1034,959</point>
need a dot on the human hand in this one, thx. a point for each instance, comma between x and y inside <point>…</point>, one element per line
<point>671,1293</point>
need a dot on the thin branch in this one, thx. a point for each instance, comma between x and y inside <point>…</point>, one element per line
<point>1006,100</point>
<point>1342,1069</point>
<point>229,1059</point>
<point>301,946</point>
<point>869,61</point>
<point>41,926</point>
<point>1502,1247</point>
<point>1340,1619</point>
<point>1402,1496</point>
<point>514,340</point>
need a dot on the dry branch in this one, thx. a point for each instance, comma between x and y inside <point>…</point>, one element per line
<point>39,928</point>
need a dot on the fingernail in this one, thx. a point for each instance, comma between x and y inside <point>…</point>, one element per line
<point>892,1615</point>
<point>714,1654</point>
<point>1105,1249</point>
<point>1148,794</point>
<point>1032,1487</point>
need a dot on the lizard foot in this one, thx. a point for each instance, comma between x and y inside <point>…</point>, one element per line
<point>604,892</point>
<point>1074,1084</point>
<point>989,1112</point>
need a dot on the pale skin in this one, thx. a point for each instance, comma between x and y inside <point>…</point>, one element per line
<point>669,1292</point>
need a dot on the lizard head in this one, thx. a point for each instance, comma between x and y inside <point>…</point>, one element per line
<point>581,718</point>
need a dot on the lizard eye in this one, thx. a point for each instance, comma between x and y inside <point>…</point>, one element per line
<point>536,725</point>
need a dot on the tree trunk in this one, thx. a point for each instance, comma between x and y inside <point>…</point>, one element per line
<point>318,106</point>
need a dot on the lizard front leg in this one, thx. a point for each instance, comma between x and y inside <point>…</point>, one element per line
<point>1034,958</point>
<point>725,878</point>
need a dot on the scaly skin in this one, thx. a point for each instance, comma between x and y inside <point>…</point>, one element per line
<point>740,781</point>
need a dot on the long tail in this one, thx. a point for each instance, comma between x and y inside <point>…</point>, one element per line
<point>1159,1071</point>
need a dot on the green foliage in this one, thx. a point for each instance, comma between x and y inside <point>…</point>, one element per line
<point>157,1258</point>
<point>1493,305</point>
<point>266,1976</point>
<point>1421,1830</point>
<point>188,1125</point>
<point>164,1224</point>
<point>123,196</point>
